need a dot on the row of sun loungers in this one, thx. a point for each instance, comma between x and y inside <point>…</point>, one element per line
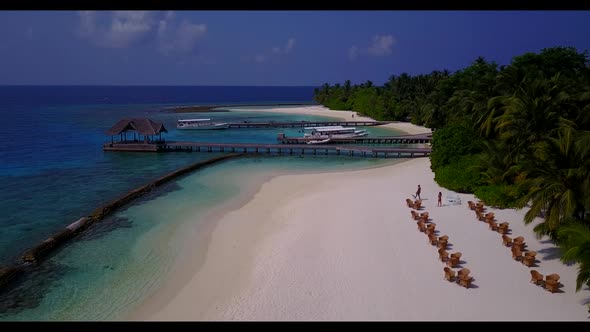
<point>441,242</point>
<point>551,282</point>
<point>517,247</point>
<point>462,277</point>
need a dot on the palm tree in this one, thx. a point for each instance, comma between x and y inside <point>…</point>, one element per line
<point>323,94</point>
<point>575,247</point>
<point>347,88</point>
<point>556,180</point>
<point>532,112</point>
<point>494,163</point>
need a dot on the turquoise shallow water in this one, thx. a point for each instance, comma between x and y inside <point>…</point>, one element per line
<point>54,171</point>
<point>112,268</point>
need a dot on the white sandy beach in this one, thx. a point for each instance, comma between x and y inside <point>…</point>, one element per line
<point>344,115</point>
<point>342,246</point>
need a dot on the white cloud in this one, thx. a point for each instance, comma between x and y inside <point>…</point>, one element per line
<point>274,52</point>
<point>87,25</point>
<point>128,28</point>
<point>183,39</point>
<point>121,29</point>
<point>380,46</point>
<point>290,45</point>
<point>259,58</point>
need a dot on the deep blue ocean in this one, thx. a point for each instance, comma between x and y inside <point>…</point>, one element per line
<point>53,171</point>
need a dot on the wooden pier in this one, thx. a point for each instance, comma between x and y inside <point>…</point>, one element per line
<point>280,149</point>
<point>299,124</point>
<point>403,139</point>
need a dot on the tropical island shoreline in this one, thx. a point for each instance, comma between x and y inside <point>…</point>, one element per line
<point>310,253</point>
<point>227,108</point>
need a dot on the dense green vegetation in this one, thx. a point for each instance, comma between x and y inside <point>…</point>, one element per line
<point>516,135</point>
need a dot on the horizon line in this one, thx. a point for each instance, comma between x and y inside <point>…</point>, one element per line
<point>161,85</point>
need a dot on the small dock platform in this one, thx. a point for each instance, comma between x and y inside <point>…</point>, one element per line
<point>403,139</point>
<point>280,149</point>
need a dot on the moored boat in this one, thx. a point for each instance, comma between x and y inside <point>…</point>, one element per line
<point>334,132</point>
<point>322,141</point>
<point>200,124</point>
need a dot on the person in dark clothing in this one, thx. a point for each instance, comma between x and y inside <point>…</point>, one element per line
<point>418,192</point>
<point>439,198</point>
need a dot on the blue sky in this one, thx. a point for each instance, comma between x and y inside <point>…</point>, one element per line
<point>267,47</point>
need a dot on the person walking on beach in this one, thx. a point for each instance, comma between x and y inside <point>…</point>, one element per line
<point>418,193</point>
<point>439,198</point>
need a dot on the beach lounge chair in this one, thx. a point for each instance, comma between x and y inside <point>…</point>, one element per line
<point>492,225</point>
<point>432,239</point>
<point>449,274</point>
<point>518,242</point>
<point>552,282</point>
<point>417,205</point>
<point>421,226</point>
<point>480,216</point>
<point>463,271</point>
<point>424,215</point>
<point>551,285</point>
<point>529,258</point>
<point>465,280</point>
<point>443,238</point>
<point>516,253</point>
<point>503,228</point>
<point>442,244</point>
<point>536,277</point>
<point>415,215</point>
<point>409,203</point>
<point>479,207</point>
<point>471,205</point>
<point>454,260</point>
<point>443,255</point>
<point>506,240</point>
<point>489,215</point>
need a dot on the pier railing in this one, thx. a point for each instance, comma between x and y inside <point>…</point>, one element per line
<point>253,148</point>
<point>400,139</point>
<point>328,149</point>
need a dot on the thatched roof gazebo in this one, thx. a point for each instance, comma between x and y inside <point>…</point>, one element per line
<point>140,126</point>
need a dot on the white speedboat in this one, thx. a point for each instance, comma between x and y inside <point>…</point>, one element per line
<point>200,124</point>
<point>321,141</point>
<point>334,132</point>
